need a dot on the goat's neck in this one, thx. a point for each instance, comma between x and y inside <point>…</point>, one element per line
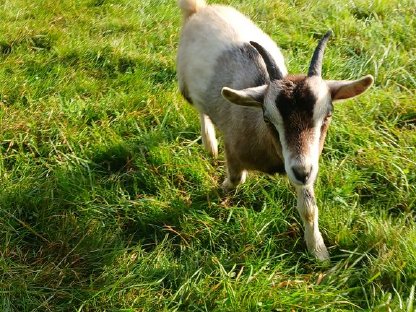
<point>271,138</point>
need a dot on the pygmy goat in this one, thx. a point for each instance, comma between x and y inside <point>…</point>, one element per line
<point>235,76</point>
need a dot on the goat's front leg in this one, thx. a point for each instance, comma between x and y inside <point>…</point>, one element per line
<point>235,173</point>
<point>235,176</point>
<point>308,211</point>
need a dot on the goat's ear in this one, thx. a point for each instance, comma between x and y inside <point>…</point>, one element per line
<point>246,97</point>
<point>345,89</point>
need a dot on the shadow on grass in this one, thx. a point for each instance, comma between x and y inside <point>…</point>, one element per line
<point>70,224</point>
<point>62,226</point>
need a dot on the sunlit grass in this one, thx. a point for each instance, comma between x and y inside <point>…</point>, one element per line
<point>108,202</point>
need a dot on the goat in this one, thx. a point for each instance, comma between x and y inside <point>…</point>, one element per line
<point>234,75</point>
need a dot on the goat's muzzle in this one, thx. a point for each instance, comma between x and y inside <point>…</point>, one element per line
<point>302,173</point>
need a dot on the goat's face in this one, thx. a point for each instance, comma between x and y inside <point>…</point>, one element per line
<point>300,109</point>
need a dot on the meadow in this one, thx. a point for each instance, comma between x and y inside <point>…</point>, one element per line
<point>108,201</point>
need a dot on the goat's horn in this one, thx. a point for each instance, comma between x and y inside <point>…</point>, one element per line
<point>315,69</point>
<point>272,69</point>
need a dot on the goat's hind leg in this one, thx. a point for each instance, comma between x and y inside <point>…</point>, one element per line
<point>308,211</point>
<point>208,135</point>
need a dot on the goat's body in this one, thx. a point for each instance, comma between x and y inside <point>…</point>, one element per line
<point>214,52</point>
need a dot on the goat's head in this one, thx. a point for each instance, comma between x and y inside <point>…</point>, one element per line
<point>299,108</point>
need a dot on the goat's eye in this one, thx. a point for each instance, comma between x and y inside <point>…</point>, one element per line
<point>327,117</point>
<point>266,120</point>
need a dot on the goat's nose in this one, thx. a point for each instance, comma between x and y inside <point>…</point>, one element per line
<point>302,173</point>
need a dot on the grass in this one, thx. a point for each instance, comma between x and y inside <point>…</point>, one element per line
<point>108,202</point>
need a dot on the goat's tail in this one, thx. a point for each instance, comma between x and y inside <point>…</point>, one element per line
<point>208,135</point>
<point>190,7</point>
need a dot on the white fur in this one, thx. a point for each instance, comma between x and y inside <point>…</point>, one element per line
<point>208,135</point>
<point>321,91</point>
<point>231,28</point>
<point>309,213</point>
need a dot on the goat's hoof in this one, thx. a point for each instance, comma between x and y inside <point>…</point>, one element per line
<point>227,185</point>
<point>230,184</point>
<point>321,253</point>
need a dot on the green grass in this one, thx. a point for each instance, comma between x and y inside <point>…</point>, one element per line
<point>108,202</point>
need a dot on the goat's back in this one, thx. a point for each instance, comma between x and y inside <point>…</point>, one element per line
<point>214,52</point>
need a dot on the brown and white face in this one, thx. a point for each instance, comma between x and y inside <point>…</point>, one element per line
<point>300,109</point>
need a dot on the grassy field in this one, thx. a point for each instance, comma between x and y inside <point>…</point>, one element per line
<point>108,201</point>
